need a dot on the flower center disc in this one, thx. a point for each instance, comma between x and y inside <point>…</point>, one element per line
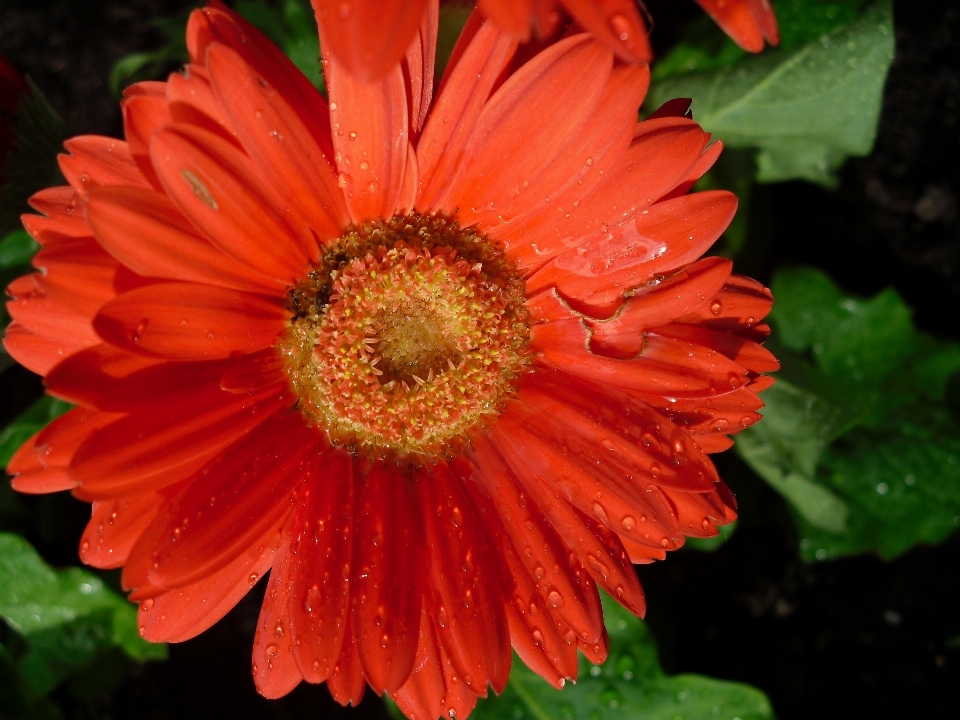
<point>409,334</point>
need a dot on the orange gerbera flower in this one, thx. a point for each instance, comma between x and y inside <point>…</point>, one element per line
<point>444,369</point>
<point>369,37</point>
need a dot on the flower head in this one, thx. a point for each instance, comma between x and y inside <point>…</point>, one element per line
<point>369,37</point>
<point>444,367</point>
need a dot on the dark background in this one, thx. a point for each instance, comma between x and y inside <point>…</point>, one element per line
<point>851,638</point>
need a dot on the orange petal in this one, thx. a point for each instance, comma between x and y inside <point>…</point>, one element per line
<point>162,443</point>
<point>142,114</point>
<point>346,683</point>
<point>534,102</point>
<point>748,22</point>
<point>746,353</point>
<point>615,23</point>
<point>145,231</point>
<point>114,528</point>
<point>63,214</point>
<point>187,321</point>
<point>275,671</point>
<point>462,573</point>
<point>388,576</point>
<point>467,85</point>
<point>234,500</point>
<point>370,136</point>
<point>320,566</point>
<point>186,612</point>
<point>368,38</point>
<point>36,353</point>
<point>95,160</point>
<point>278,142</point>
<point>220,191</point>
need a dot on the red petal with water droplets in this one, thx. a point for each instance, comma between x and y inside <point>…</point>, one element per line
<point>192,101</point>
<point>738,307</point>
<point>95,160</point>
<point>164,442</point>
<point>346,683</point>
<point>254,372</point>
<point>275,670</point>
<point>664,237</point>
<point>422,695</point>
<point>512,16</point>
<point>419,65</point>
<point>36,353</point>
<point>611,123</point>
<point>746,353</point>
<point>278,142</point>
<point>368,39</point>
<point>501,159</point>
<point>615,23</point>
<point>541,551</point>
<point>64,213</point>
<point>145,231</point>
<point>114,528</point>
<point>465,599</point>
<point>388,576</point>
<point>111,379</point>
<point>233,500</point>
<point>187,321</point>
<point>370,136</point>
<point>186,612</point>
<point>220,190</point>
<point>320,565</point>
<point>463,95</point>
<point>622,335</point>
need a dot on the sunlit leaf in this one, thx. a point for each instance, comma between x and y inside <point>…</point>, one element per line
<point>67,617</point>
<point>805,108</point>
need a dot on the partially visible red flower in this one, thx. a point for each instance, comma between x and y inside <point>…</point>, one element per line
<point>369,36</point>
<point>445,367</point>
<point>12,88</point>
<point>748,22</point>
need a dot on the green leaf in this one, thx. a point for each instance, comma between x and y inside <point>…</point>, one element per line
<point>711,544</point>
<point>630,684</point>
<point>16,249</point>
<point>291,25</point>
<point>858,434</point>
<point>805,108</point>
<point>37,416</point>
<point>67,617</point>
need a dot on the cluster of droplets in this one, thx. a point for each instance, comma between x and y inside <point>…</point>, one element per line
<point>409,334</point>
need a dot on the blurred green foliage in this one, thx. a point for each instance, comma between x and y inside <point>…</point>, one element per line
<point>804,107</point>
<point>37,417</point>
<point>860,433</point>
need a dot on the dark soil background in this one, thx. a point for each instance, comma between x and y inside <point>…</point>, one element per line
<point>850,638</point>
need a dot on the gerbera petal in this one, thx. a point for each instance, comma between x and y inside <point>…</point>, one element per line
<point>534,102</point>
<point>658,304</point>
<point>465,592</point>
<point>145,231</point>
<point>186,612</point>
<point>370,137</point>
<point>347,683</point>
<point>512,16</point>
<point>388,576</point>
<point>463,94</point>
<point>368,39</point>
<point>220,24</point>
<point>615,23</point>
<point>739,306</point>
<point>320,566</point>
<point>162,443</point>
<point>612,123</point>
<point>543,554</point>
<point>37,354</point>
<point>219,190</point>
<point>192,101</point>
<point>278,142</point>
<point>748,22</point>
<point>419,67</point>
<point>658,159</point>
<point>142,114</point>
<point>95,160</point>
<point>234,500</point>
<point>187,321</point>
<point>64,216</point>
<point>114,528</point>
<point>275,671</point>
<point>726,413</point>
<point>32,476</point>
<point>663,237</point>
<point>746,353</point>
<point>254,372</point>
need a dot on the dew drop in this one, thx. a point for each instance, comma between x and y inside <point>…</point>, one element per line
<point>147,605</point>
<point>629,523</point>
<point>253,579</point>
<point>272,650</point>
<point>715,307</point>
<point>621,28</point>
<point>555,599</point>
